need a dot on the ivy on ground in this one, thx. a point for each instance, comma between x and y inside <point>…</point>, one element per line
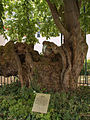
<point>16,104</point>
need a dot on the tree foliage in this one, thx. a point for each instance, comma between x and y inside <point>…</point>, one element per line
<point>23,18</point>
<point>85,16</point>
<point>1,15</point>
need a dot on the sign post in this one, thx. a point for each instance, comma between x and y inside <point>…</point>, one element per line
<point>41,103</point>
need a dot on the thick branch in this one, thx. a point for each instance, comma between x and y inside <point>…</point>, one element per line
<point>71,12</point>
<point>57,21</point>
<point>79,3</point>
<point>78,6</point>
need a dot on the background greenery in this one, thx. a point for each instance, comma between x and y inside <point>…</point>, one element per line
<point>86,68</point>
<point>18,19</point>
<point>16,104</point>
<point>21,19</point>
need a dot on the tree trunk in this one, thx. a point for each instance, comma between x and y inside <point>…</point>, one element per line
<point>54,71</point>
<point>74,49</point>
<point>59,67</point>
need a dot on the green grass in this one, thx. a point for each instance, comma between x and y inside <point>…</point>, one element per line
<point>16,104</point>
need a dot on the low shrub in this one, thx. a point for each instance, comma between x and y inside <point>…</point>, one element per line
<point>86,68</point>
<point>16,104</point>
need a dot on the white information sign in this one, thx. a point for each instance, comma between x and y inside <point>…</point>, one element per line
<point>41,103</point>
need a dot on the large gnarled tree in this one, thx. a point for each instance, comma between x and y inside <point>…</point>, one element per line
<point>59,67</point>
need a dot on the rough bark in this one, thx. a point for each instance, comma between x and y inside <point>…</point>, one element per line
<point>56,16</point>
<point>59,67</point>
<point>23,61</point>
<point>54,68</point>
<point>75,47</point>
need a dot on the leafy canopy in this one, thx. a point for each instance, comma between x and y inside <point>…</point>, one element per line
<point>21,19</point>
<point>1,16</point>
